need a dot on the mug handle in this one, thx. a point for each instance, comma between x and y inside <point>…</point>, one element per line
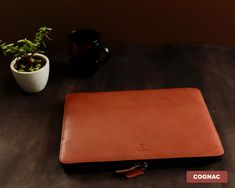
<point>107,55</point>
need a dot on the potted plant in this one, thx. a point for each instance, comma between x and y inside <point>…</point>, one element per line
<point>30,67</point>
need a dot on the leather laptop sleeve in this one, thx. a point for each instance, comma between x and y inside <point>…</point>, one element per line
<point>139,125</point>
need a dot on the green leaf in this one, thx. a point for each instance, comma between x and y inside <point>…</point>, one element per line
<point>38,65</point>
<point>9,45</point>
<point>29,42</point>
<point>8,50</point>
<point>44,44</point>
<point>41,51</point>
<point>31,69</point>
<point>21,41</point>
<point>24,46</point>
<point>22,66</point>
<point>4,47</point>
<point>48,37</point>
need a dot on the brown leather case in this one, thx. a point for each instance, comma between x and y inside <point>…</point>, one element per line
<point>137,125</point>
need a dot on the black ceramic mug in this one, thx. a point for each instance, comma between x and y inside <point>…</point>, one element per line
<point>86,51</point>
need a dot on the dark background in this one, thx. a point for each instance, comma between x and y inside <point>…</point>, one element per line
<point>148,22</point>
<point>154,44</point>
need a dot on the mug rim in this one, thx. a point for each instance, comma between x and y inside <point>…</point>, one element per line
<point>84,35</point>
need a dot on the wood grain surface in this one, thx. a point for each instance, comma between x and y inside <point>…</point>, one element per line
<point>30,126</point>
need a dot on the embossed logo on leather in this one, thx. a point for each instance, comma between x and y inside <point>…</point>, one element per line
<point>142,148</point>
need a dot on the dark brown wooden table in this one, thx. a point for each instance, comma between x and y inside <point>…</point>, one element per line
<point>30,125</point>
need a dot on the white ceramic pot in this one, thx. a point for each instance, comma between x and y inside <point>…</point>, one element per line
<point>35,81</point>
